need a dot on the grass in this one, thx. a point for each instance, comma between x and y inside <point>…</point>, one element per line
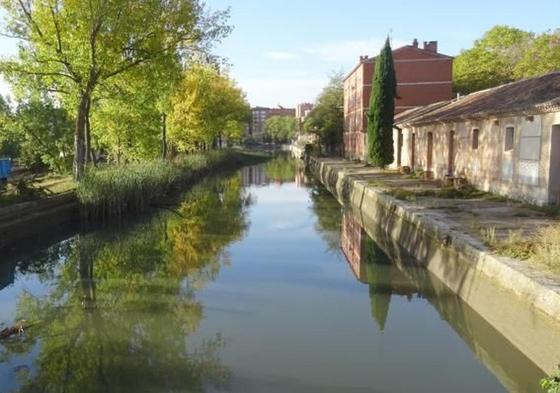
<point>26,189</point>
<point>542,247</point>
<point>465,192</point>
<point>113,191</point>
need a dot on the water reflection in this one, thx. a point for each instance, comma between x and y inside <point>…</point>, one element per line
<point>389,272</point>
<point>122,304</point>
<point>282,169</point>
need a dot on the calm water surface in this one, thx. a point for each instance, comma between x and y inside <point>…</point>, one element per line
<point>254,282</point>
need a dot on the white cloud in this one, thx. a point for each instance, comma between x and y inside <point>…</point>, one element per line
<point>278,55</point>
<point>347,51</point>
<point>286,92</point>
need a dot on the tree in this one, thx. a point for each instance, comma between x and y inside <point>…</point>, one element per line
<point>206,107</point>
<point>382,109</point>
<point>79,48</point>
<point>44,134</point>
<point>492,60</point>
<point>280,128</point>
<point>9,143</point>
<point>541,57</point>
<point>326,120</point>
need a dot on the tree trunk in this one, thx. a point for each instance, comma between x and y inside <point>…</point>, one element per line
<point>80,138</point>
<point>88,135</point>
<point>164,137</point>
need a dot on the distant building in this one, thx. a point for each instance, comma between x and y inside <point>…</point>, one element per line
<point>424,76</point>
<point>302,111</point>
<point>260,114</point>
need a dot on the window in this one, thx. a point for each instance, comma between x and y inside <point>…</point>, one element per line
<point>475,138</point>
<point>510,133</point>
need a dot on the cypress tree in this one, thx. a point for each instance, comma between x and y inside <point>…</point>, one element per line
<point>382,109</point>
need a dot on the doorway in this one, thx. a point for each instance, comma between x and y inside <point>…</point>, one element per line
<point>451,154</point>
<point>399,148</point>
<point>412,151</point>
<point>554,172</point>
<point>430,158</point>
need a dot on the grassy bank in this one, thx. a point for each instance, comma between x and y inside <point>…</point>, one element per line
<point>32,188</point>
<point>113,191</point>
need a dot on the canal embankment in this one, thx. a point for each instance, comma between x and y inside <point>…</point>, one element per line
<point>439,235</point>
<point>113,192</point>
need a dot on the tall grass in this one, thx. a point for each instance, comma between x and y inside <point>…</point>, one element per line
<point>112,191</point>
<point>547,249</point>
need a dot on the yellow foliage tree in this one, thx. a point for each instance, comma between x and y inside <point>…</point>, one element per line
<point>206,108</point>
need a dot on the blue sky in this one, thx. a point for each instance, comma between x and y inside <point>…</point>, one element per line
<point>282,51</point>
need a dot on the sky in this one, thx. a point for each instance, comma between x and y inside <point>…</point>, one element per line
<point>282,51</point>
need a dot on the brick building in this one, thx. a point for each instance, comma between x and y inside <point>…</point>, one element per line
<point>260,114</point>
<point>424,76</point>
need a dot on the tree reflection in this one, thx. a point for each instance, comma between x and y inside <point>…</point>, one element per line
<point>281,169</point>
<point>373,267</point>
<point>123,305</point>
<point>328,213</point>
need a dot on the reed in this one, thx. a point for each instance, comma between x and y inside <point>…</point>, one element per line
<point>112,191</point>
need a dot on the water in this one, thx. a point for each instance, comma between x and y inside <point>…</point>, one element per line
<point>253,282</point>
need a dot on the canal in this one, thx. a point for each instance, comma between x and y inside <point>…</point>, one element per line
<point>256,281</point>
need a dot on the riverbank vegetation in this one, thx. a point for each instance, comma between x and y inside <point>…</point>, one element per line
<point>113,191</point>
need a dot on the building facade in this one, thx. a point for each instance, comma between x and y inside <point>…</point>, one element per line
<point>424,76</point>
<point>505,140</point>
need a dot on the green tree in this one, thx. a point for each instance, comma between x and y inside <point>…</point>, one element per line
<point>382,109</point>
<point>492,60</point>
<point>541,57</point>
<point>326,120</point>
<point>280,128</point>
<point>44,134</point>
<point>9,143</point>
<point>80,48</point>
<point>206,107</point>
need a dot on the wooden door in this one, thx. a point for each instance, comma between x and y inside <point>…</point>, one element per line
<point>451,156</point>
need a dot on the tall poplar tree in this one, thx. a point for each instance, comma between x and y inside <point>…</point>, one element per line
<point>382,109</point>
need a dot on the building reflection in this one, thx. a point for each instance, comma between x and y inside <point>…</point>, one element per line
<point>373,267</point>
<point>516,357</point>
<point>254,176</point>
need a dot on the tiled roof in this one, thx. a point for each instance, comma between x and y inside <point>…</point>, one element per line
<point>527,96</point>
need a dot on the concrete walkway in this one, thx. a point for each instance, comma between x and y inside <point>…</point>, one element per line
<point>473,216</point>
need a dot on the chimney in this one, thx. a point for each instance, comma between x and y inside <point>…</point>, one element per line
<point>364,58</point>
<point>430,46</point>
<point>415,43</point>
